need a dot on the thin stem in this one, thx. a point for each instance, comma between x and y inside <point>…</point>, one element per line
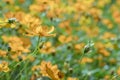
<point>21,71</point>
<point>81,57</point>
<point>33,53</point>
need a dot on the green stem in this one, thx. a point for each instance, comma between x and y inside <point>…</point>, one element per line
<point>21,70</point>
<point>81,57</point>
<point>8,76</point>
<point>33,53</point>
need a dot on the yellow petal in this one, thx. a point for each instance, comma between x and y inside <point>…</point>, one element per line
<point>51,30</point>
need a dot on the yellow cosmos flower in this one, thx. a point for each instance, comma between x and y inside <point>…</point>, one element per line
<point>17,44</point>
<point>4,67</point>
<point>3,53</point>
<point>86,60</point>
<point>52,71</point>
<point>65,39</point>
<point>48,48</point>
<point>40,31</point>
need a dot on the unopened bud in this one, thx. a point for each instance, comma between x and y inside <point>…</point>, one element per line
<point>12,20</point>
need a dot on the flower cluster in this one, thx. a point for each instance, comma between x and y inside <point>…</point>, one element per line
<point>59,39</point>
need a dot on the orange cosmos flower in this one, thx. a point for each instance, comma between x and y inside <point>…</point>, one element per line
<point>3,53</point>
<point>47,69</point>
<point>40,31</point>
<point>4,67</point>
<point>48,48</point>
<point>86,60</point>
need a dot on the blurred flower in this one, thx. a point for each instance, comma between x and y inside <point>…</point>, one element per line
<point>102,4</point>
<point>47,69</point>
<point>66,25</point>
<point>84,20</point>
<point>95,13</point>
<point>17,44</point>
<point>118,71</point>
<point>3,53</point>
<point>18,15</point>
<point>65,39</point>
<point>71,78</point>
<point>108,35</point>
<point>101,49</point>
<point>116,16</point>
<point>21,1</point>
<point>79,47</point>
<point>4,67</point>
<point>30,21</point>
<point>113,61</point>
<point>17,47</point>
<point>107,77</point>
<point>34,68</point>
<point>40,31</point>
<point>47,48</point>
<point>108,23</point>
<point>86,60</point>
<point>104,52</point>
<point>91,31</point>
